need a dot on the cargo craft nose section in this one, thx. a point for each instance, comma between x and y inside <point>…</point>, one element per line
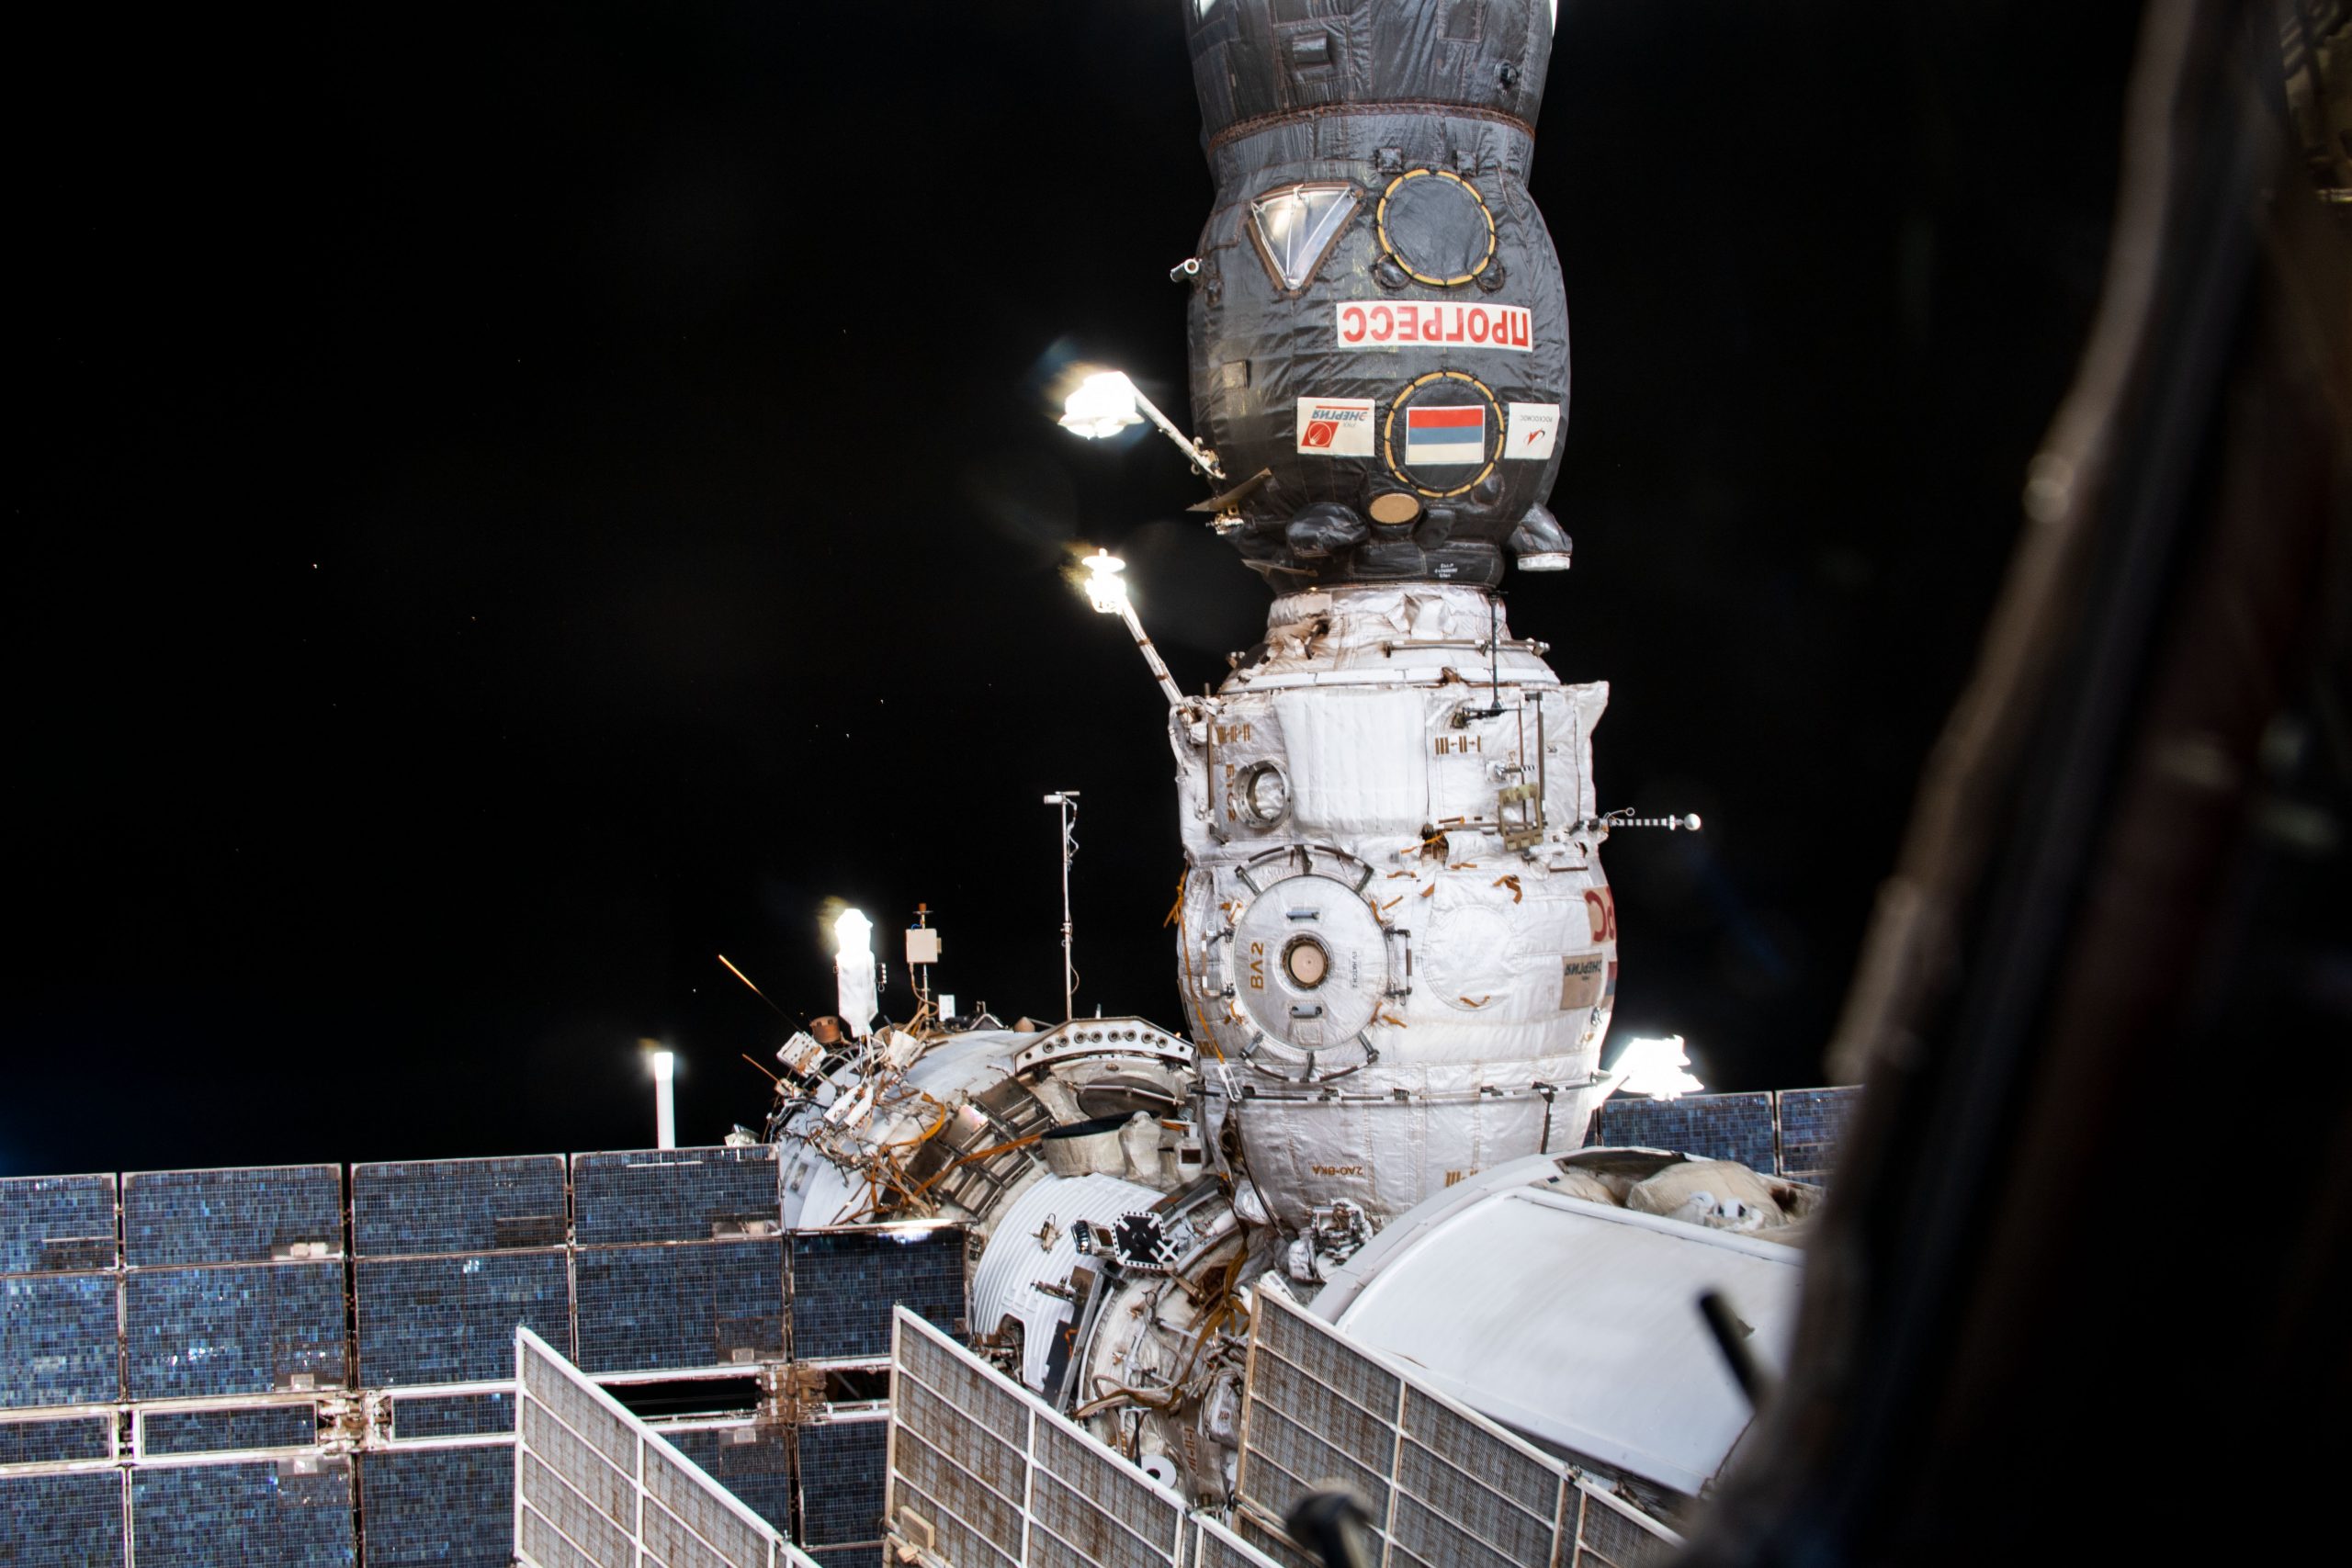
<point>1377,322</point>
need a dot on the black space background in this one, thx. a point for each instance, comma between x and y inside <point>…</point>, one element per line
<point>506,503</point>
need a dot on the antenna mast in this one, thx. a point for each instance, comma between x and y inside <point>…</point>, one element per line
<point>1067,800</point>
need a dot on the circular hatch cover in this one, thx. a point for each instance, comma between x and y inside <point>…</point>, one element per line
<point>1310,962</point>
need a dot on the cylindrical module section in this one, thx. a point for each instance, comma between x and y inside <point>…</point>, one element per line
<point>1378,324</point>
<point>1397,945</point>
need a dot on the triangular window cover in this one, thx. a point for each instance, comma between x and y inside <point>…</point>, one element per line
<point>1297,224</point>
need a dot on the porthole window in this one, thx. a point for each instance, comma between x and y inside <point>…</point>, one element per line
<point>1294,227</point>
<point>1436,226</point>
<point>1262,794</point>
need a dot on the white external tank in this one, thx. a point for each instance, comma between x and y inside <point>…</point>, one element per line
<point>1397,947</point>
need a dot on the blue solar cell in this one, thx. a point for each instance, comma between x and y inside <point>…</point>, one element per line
<point>172,1217</point>
<point>430,1320</point>
<point>51,1441</point>
<point>450,1507</point>
<point>61,1521</point>
<point>844,1282</point>
<point>1712,1126</point>
<point>688,1305</point>
<point>674,1195</point>
<point>840,1482</point>
<point>414,1207</point>
<point>58,1340</point>
<point>755,1465</point>
<point>453,1416</point>
<point>246,1329</point>
<point>1813,1124</point>
<point>52,1223</point>
<point>166,1432</point>
<point>287,1514</point>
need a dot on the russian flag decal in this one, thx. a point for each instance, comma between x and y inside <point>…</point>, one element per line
<point>1437,435</point>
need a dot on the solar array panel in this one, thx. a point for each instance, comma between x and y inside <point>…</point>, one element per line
<point>235,1329</point>
<point>449,1507</point>
<point>60,1340</point>
<point>173,1218</point>
<point>595,1484</point>
<point>1791,1132</point>
<point>1444,1485</point>
<point>983,1474</point>
<point>842,1466</point>
<point>164,1433</point>
<point>286,1514</point>
<point>674,1195</point>
<point>425,1208</point>
<point>60,1440</point>
<point>845,1283</point>
<point>680,1304</point>
<point>1813,1124</point>
<point>63,1521</point>
<point>55,1223</point>
<point>452,1319</point>
<point>430,1418</point>
<point>205,1306</point>
<point>750,1460</point>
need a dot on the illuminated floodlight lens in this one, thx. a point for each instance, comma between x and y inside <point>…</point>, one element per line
<point>852,934</point>
<point>1106,589</point>
<point>1656,1067</point>
<point>1103,405</point>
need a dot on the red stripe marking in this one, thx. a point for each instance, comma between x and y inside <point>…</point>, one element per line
<point>1470,418</point>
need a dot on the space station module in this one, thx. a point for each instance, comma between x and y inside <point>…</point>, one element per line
<point>1397,943</point>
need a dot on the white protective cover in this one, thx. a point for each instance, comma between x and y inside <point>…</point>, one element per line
<point>1019,1258</point>
<point>1576,1322</point>
<point>1463,969</point>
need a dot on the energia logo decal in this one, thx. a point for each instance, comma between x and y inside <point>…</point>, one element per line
<point>1335,427</point>
<point>1430,323</point>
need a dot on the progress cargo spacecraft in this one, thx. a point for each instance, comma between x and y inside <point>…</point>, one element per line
<point>1397,947</point>
<point>1396,937</point>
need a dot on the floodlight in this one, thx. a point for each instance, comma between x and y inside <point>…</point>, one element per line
<point>1103,404</point>
<point>664,1064</point>
<point>1106,402</point>
<point>1656,1067</point>
<point>1105,589</point>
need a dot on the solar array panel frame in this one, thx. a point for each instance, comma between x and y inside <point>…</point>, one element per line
<point>594,1481</point>
<point>1216,1546</point>
<point>987,1474</point>
<point>1446,1484</point>
<point>752,1458</point>
<point>1712,1126</point>
<point>1813,1124</point>
<point>1793,1133</point>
